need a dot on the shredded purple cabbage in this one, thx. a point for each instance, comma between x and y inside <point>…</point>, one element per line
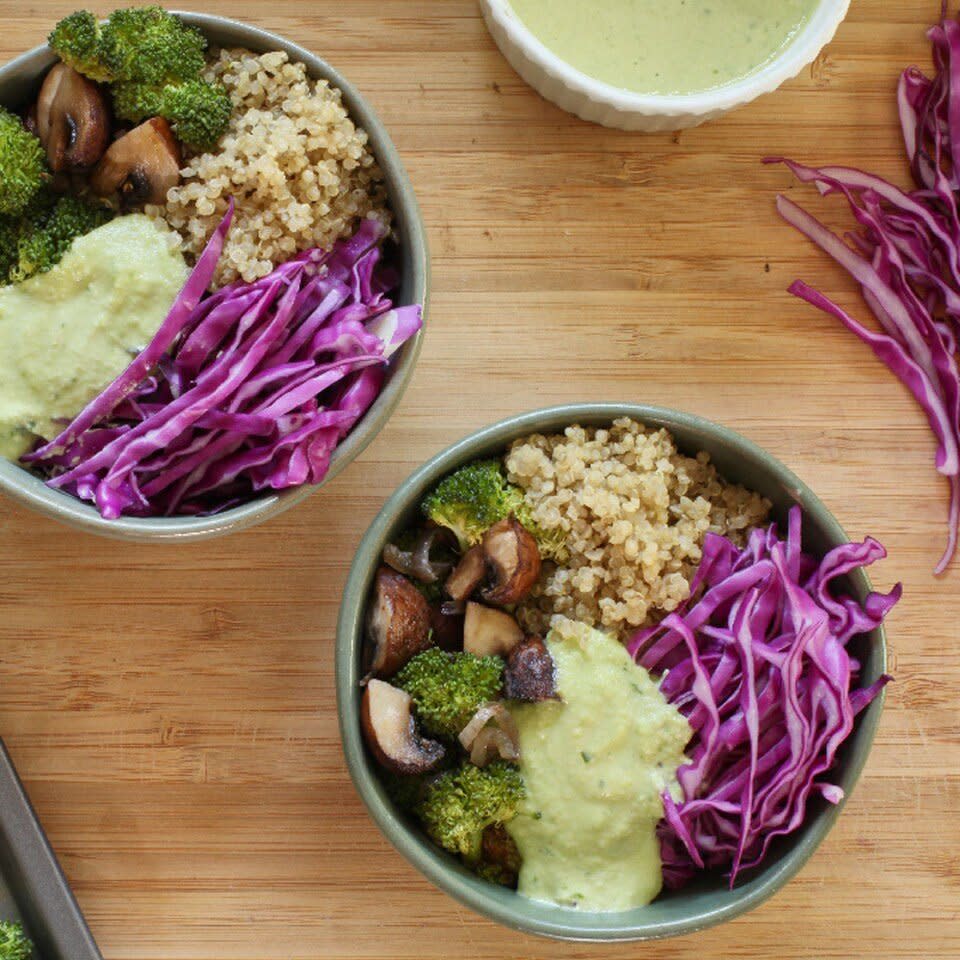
<point>906,253</point>
<point>757,662</point>
<point>249,389</point>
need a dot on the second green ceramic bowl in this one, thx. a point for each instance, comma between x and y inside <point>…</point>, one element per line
<point>708,901</point>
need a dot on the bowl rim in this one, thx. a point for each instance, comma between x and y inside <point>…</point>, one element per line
<point>442,871</point>
<point>19,484</point>
<point>800,50</point>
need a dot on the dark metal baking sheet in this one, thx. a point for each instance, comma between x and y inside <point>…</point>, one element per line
<point>33,888</point>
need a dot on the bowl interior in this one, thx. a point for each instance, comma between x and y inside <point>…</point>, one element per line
<point>708,901</point>
<point>19,81</point>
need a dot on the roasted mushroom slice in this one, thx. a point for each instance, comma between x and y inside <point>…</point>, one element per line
<point>391,733</point>
<point>419,561</point>
<point>488,632</point>
<point>467,574</point>
<point>513,562</point>
<point>71,120</point>
<point>530,673</point>
<point>500,856</point>
<point>398,623</point>
<point>140,167</point>
<point>491,733</point>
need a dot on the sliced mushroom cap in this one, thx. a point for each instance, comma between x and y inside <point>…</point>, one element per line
<point>491,733</point>
<point>420,561</point>
<point>398,623</point>
<point>71,120</point>
<point>530,673</point>
<point>386,718</point>
<point>467,574</point>
<point>141,166</point>
<point>488,632</point>
<point>498,849</point>
<point>513,562</point>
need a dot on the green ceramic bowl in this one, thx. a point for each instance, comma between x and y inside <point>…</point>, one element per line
<point>20,80</point>
<point>702,904</point>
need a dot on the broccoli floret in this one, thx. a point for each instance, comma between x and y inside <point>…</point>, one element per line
<point>551,543</point>
<point>14,944</point>
<point>16,230</point>
<point>9,238</point>
<point>472,499</point>
<point>478,495</point>
<point>47,230</point>
<point>23,163</point>
<point>153,62</point>
<point>462,803</point>
<point>447,688</point>
<point>149,45</point>
<point>135,101</point>
<point>199,112</point>
<point>78,41</point>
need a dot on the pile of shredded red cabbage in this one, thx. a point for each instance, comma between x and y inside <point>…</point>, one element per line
<point>906,254</point>
<point>757,662</point>
<point>250,388</point>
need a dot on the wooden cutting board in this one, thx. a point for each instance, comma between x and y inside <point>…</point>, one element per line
<point>172,709</point>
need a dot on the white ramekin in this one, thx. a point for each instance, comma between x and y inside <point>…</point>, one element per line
<point>611,106</point>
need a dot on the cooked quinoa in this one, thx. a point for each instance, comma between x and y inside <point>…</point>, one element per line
<point>635,512</point>
<point>296,165</point>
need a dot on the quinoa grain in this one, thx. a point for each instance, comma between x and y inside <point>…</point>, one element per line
<point>635,512</point>
<point>296,165</point>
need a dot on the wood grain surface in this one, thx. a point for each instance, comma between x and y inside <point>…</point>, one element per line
<point>172,709</point>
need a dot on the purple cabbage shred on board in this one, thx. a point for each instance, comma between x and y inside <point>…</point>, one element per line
<point>250,389</point>
<point>905,254</point>
<point>757,662</point>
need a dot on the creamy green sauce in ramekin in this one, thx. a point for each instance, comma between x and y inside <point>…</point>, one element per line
<point>665,46</point>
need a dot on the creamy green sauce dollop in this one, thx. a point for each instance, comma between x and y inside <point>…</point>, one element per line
<point>65,334</point>
<point>665,46</point>
<point>595,766</point>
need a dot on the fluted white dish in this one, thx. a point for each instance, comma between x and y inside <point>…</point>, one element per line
<point>574,91</point>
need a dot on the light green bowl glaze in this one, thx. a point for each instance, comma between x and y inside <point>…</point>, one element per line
<point>20,80</point>
<point>700,905</point>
